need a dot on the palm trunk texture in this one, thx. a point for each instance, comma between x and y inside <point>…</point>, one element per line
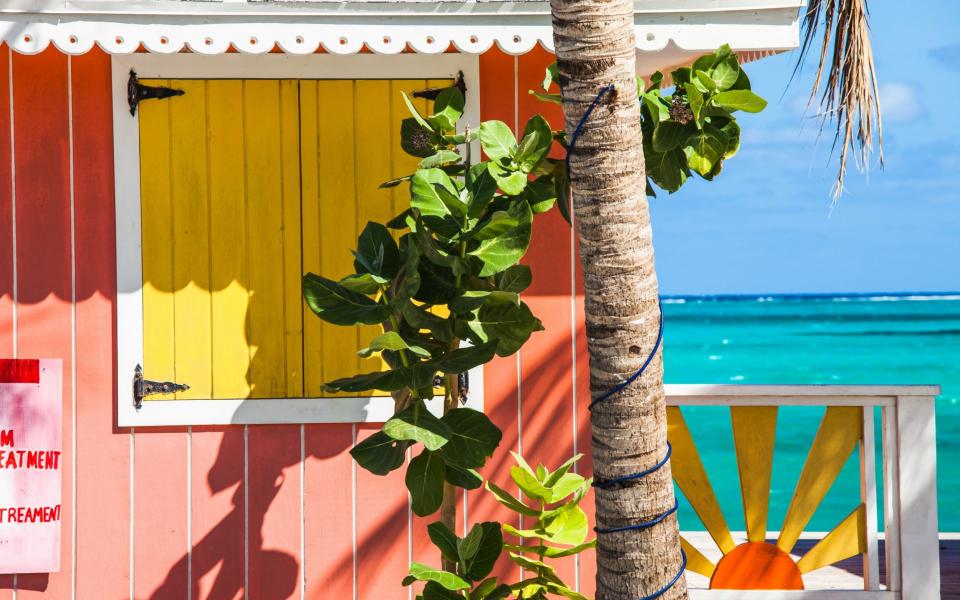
<point>595,46</point>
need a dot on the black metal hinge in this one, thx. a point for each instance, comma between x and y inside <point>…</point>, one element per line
<point>144,387</point>
<point>432,93</point>
<point>137,92</point>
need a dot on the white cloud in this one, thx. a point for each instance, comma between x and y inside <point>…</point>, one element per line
<point>899,102</point>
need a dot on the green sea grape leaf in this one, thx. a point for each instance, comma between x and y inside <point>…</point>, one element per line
<point>424,479</point>
<point>565,485</point>
<point>725,74</point>
<point>744,100</point>
<point>391,340</point>
<point>568,527</point>
<point>497,140</point>
<point>535,142</point>
<point>463,359</point>
<point>473,438</point>
<point>479,550</point>
<point>515,279</point>
<point>507,499</point>
<point>505,250</point>
<point>669,135</point>
<point>450,581</point>
<point>336,304</point>
<point>415,113</point>
<point>379,453</point>
<point>447,109</point>
<point>468,479</point>
<point>529,484</point>
<point>444,539</point>
<point>417,423</point>
<point>434,194</point>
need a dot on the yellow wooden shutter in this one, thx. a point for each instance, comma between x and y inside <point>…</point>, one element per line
<point>245,185</point>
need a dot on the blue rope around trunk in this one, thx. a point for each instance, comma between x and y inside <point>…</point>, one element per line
<point>610,483</point>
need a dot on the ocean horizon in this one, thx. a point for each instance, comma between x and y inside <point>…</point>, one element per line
<point>839,338</point>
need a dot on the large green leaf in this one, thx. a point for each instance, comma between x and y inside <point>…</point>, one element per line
<point>667,169</point>
<point>462,360</point>
<point>515,279</point>
<point>473,438</point>
<point>417,140</point>
<point>567,484</point>
<point>705,149</point>
<point>534,143</point>
<point>482,187</point>
<point>542,569</point>
<point>440,158</point>
<point>336,304</point>
<point>419,318</point>
<point>444,539</point>
<point>415,113</point>
<point>468,479</point>
<point>695,98</point>
<point>508,324</point>
<point>507,499</point>
<point>447,109</point>
<point>424,479</point>
<point>732,131</point>
<point>568,527</point>
<point>497,140</point>
<point>479,550</point>
<point>379,453</point>
<point>385,381</point>
<point>529,484</point>
<point>450,581</point>
<point>490,589</point>
<point>433,193</point>
<point>434,591</point>
<point>510,180</point>
<point>561,470</point>
<point>541,194</point>
<point>670,134</point>
<point>505,250</point>
<point>725,74</point>
<point>498,223</point>
<point>390,340</point>
<point>474,299</point>
<point>363,283</point>
<point>417,423</point>
<point>744,100</point>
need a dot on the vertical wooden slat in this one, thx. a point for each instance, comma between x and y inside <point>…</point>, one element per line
<point>273,533</point>
<point>44,257</point>
<point>381,530</point>
<point>310,231</point>
<point>891,497</point>
<point>917,493</point>
<point>328,505</point>
<point>156,217</point>
<point>754,432</point>
<point>103,470</point>
<point>190,222</point>
<point>265,260</point>
<point>228,240</point>
<point>500,378</point>
<point>372,167</point>
<point>547,359</point>
<point>868,495</point>
<point>292,324</point>
<point>217,506</point>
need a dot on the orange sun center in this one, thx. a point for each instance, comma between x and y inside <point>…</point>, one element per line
<point>756,566</point>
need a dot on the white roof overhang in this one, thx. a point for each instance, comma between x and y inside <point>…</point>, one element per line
<point>669,32</point>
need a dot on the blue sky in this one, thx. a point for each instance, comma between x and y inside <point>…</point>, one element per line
<point>766,224</point>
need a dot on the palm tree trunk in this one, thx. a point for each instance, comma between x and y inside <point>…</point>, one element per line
<point>595,46</point>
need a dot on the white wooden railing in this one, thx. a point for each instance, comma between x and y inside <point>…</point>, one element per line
<point>908,442</point>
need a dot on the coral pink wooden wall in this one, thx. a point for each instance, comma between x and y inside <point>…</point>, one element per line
<point>260,512</point>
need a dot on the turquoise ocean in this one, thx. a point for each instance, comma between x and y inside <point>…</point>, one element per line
<point>859,339</point>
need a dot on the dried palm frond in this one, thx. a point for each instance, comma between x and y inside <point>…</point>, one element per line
<point>851,98</point>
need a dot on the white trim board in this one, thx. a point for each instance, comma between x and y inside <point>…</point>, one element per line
<point>127,205</point>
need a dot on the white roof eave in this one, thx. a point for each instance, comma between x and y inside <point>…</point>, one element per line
<point>669,32</point>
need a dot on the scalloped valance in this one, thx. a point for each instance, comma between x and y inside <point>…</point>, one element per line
<point>667,31</point>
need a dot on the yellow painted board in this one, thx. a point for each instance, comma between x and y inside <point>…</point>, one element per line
<point>372,124</point>
<point>696,561</point>
<point>335,230</point>
<point>310,233</point>
<point>228,240</point>
<point>156,218</point>
<point>754,431</point>
<point>262,157</point>
<point>847,539</point>
<point>840,431</point>
<point>292,236</point>
<point>191,239</point>
<point>691,477</point>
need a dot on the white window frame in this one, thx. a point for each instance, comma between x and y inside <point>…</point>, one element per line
<point>126,134</point>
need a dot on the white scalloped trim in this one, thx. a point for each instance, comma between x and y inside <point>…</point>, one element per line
<point>747,30</point>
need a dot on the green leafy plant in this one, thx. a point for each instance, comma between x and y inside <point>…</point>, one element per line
<point>442,280</point>
<point>693,129</point>
<point>555,523</point>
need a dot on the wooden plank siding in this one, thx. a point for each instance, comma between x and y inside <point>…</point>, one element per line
<point>230,512</point>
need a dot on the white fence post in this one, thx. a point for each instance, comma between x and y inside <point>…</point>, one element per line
<point>868,495</point>
<point>891,497</point>
<point>917,472</point>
